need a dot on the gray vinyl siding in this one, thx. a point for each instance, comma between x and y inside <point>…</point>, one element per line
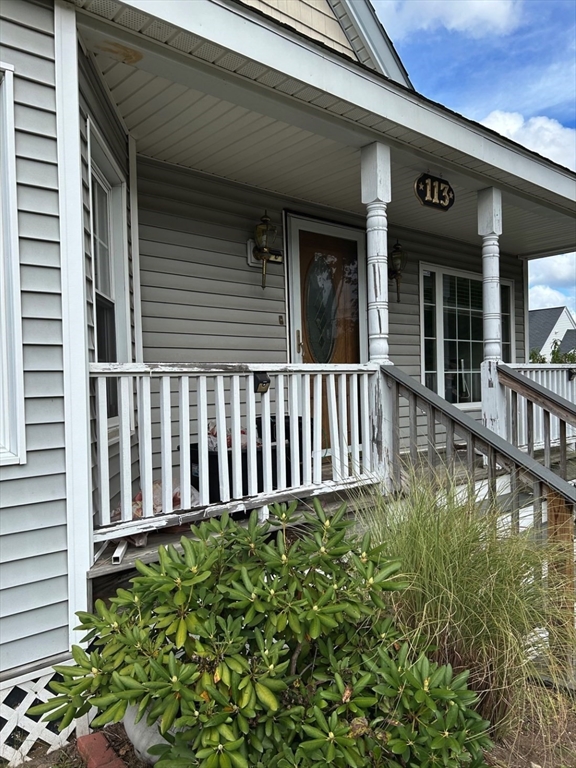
<point>201,302</point>
<point>33,536</point>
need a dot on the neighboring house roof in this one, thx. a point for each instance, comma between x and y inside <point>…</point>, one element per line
<point>568,343</point>
<point>541,323</point>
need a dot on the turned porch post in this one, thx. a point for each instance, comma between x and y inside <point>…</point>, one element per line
<point>376,194</point>
<point>490,229</point>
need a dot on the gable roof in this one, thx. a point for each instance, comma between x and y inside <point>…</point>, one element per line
<point>541,322</point>
<point>349,27</point>
<point>369,39</point>
<point>568,343</point>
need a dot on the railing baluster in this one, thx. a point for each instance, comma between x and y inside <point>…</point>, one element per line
<point>125,448</point>
<point>563,462</point>
<point>185,495</point>
<point>396,460</point>
<point>306,432</point>
<point>366,426</point>
<point>333,422</point>
<point>514,418</point>
<point>354,426</point>
<point>530,427</point>
<point>251,434</point>
<point>145,447</point>
<point>280,432</point>
<point>546,432</point>
<point>266,442</point>
<point>222,441</point>
<point>537,493</point>
<point>471,455</point>
<point>430,415</point>
<point>103,458</point>
<point>235,429</point>
<point>317,439</point>
<point>413,428</point>
<point>450,446</point>
<point>343,423</point>
<point>492,478</point>
<point>166,443</point>
<point>293,410</point>
<point>203,465</point>
<point>515,500</point>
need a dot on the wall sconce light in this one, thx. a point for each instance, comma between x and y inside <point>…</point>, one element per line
<point>396,265</point>
<point>264,237</point>
<point>571,374</point>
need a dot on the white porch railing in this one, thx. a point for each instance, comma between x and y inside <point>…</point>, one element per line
<point>559,379</point>
<point>308,434</point>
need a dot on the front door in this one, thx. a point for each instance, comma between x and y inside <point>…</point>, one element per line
<point>328,300</point>
<point>327,292</point>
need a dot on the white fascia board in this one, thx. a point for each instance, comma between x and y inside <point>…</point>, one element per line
<point>274,47</point>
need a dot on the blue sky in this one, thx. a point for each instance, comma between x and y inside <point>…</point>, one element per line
<point>510,64</point>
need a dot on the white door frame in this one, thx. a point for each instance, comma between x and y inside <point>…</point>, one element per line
<point>296,223</point>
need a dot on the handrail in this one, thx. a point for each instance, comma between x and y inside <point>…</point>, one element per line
<point>207,369</point>
<point>482,433</point>
<point>539,395</point>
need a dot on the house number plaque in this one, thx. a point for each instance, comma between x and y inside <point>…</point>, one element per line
<point>434,192</point>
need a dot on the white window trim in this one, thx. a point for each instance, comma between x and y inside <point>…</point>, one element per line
<point>439,269</point>
<point>103,165</point>
<point>12,414</point>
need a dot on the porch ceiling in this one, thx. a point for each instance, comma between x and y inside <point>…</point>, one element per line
<point>187,113</point>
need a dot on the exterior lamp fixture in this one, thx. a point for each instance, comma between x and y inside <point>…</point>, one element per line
<point>396,266</point>
<point>264,237</point>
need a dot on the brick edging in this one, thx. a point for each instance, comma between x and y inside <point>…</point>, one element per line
<point>96,752</point>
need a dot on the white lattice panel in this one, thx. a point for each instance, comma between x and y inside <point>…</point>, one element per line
<point>19,734</point>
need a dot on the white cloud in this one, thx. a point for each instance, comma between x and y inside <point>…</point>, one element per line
<point>543,296</point>
<point>541,134</point>
<point>475,18</point>
<point>556,271</point>
<point>552,282</point>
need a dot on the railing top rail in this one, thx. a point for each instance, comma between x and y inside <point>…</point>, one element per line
<point>203,369</point>
<point>550,401</point>
<point>541,366</point>
<point>482,433</point>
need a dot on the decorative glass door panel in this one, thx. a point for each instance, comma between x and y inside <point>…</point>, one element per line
<point>329,299</point>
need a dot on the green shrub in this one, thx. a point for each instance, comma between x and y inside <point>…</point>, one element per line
<point>477,599</point>
<point>262,648</point>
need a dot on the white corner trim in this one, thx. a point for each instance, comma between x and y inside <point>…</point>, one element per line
<point>12,414</point>
<point>135,243</point>
<point>74,335</point>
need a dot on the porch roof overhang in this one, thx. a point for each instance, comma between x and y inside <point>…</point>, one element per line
<point>213,87</point>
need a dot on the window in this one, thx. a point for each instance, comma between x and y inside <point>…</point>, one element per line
<point>453,340</point>
<point>110,263</point>
<point>12,422</point>
<point>104,287</point>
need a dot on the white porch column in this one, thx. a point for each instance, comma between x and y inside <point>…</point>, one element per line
<point>376,194</point>
<point>490,229</point>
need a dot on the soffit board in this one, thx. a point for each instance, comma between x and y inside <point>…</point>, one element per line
<point>189,127</point>
<point>479,150</point>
